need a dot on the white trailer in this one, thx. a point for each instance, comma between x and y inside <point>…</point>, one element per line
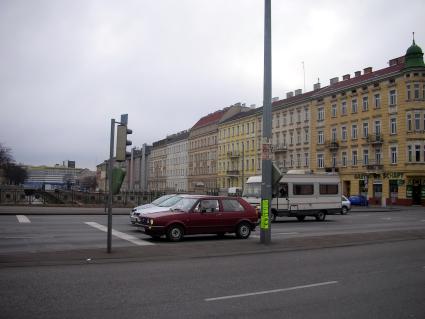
<point>299,194</point>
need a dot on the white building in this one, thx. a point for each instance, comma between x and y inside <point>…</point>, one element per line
<point>177,163</point>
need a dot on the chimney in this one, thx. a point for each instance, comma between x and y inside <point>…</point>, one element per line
<point>298,92</point>
<point>357,73</point>
<point>346,77</point>
<point>334,80</point>
<point>289,94</point>
<point>276,98</point>
<point>252,106</point>
<point>316,86</point>
<point>367,70</point>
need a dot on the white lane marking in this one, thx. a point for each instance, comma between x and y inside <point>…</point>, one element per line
<point>387,218</point>
<point>23,219</point>
<point>121,235</point>
<point>272,291</point>
<point>274,234</point>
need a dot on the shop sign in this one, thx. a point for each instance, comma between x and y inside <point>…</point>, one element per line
<point>392,175</point>
<point>400,182</point>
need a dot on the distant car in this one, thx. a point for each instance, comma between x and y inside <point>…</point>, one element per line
<point>359,200</point>
<point>136,211</point>
<point>345,205</point>
<point>201,214</point>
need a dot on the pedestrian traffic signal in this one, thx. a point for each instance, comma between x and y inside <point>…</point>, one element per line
<point>122,143</point>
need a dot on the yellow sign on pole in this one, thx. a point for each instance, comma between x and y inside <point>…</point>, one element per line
<point>264,214</point>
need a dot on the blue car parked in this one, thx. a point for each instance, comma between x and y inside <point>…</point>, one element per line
<point>359,200</point>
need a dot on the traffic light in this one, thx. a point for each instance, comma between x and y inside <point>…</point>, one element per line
<point>122,142</point>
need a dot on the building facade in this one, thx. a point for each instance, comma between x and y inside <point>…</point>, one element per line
<point>238,153</point>
<point>177,162</point>
<point>157,167</point>
<point>202,143</point>
<point>371,129</point>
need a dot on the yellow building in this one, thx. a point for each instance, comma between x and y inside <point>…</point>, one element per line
<point>238,152</point>
<point>371,129</point>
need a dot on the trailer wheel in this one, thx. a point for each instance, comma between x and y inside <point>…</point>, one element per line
<point>272,217</point>
<point>320,216</point>
<point>301,218</point>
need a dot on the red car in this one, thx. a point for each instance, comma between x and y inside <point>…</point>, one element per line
<point>199,214</point>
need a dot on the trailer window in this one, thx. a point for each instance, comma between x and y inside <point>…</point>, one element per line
<point>303,189</point>
<point>328,189</point>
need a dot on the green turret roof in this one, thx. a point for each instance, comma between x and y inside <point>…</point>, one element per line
<point>414,56</point>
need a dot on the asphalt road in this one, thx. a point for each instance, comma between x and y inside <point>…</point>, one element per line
<point>385,280</point>
<point>30,233</point>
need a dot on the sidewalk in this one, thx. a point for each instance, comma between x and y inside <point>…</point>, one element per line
<point>391,208</point>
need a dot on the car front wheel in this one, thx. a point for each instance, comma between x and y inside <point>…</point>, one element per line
<point>243,231</point>
<point>175,233</point>
<point>344,210</point>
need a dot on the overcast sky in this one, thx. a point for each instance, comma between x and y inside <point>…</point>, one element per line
<point>68,67</point>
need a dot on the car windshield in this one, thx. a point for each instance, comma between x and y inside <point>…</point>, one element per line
<point>161,199</point>
<point>184,205</point>
<point>171,201</point>
<point>252,190</point>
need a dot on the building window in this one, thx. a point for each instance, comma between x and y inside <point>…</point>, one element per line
<point>291,159</point>
<point>291,118</point>
<point>409,93</point>
<point>306,135</point>
<point>333,160</point>
<point>306,160</point>
<point>343,108</point>
<point>354,106</point>
<point>344,159</point>
<point>377,100</point>
<point>291,138</point>
<point>365,157</point>
<point>378,156</point>
<point>320,137</point>
<point>334,110</point>
<point>306,115</point>
<point>409,122</point>
<point>365,104</point>
<point>417,153</point>
<point>393,125</point>
<point>365,129</point>
<point>299,116</point>
<point>344,133</point>
<point>416,91</point>
<point>320,161</point>
<point>393,151</point>
<point>417,121</point>
<point>321,114</point>
<point>354,131</point>
<point>354,157</point>
<point>393,97</point>
<point>298,160</point>
<point>333,134</point>
<point>409,153</point>
<point>377,127</point>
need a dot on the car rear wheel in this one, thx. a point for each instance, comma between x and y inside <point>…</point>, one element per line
<point>243,230</point>
<point>344,210</point>
<point>321,216</point>
<point>175,233</point>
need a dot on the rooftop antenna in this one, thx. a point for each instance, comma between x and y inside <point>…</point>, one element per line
<point>413,37</point>
<point>303,73</point>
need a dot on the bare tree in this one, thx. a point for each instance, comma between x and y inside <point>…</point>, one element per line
<point>14,174</point>
<point>5,155</point>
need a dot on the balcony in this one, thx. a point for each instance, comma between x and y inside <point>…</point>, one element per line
<point>374,166</point>
<point>277,148</point>
<point>375,139</point>
<point>333,145</point>
<point>233,154</point>
<point>233,173</point>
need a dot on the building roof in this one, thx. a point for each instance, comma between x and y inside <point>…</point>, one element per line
<point>241,115</point>
<point>211,118</point>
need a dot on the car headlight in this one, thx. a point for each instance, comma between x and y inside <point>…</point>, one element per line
<point>151,221</point>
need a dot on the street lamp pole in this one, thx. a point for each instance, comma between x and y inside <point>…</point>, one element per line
<point>110,165</point>
<point>266,185</point>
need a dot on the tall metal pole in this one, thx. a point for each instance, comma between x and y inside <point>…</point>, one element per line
<point>111,156</point>
<point>266,185</point>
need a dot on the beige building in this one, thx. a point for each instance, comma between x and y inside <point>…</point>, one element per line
<point>157,176</point>
<point>202,152</point>
<point>371,129</point>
